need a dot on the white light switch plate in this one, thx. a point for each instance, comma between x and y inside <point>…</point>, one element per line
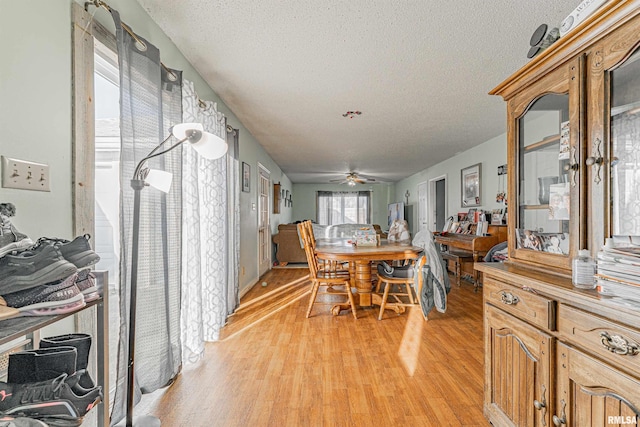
<point>25,175</point>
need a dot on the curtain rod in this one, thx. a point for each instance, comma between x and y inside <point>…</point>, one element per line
<point>100,3</point>
<point>105,6</point>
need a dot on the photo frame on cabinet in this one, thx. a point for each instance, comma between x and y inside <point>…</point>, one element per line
<point>471,181</point>
<point>246,177</point>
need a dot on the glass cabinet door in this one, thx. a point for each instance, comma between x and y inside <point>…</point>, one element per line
<point>625,148</point>
<point>612,164</point>
<point>544,176</point>
<point>544,196</point>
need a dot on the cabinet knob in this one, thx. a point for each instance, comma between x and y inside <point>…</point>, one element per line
<point>618,344</point>
<point>573,166</point>
<point>508,298</point>
<point>594,160</point>
<point>559,421</point>
<point>541,405</point>
<point>562,419</point>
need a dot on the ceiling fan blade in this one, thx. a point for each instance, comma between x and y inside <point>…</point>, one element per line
<point>367,177</point>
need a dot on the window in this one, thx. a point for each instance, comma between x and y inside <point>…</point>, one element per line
<point>107,183</point>
<point>96,163</point>
<point>343,207</point>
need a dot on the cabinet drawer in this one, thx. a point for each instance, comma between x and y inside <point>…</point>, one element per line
<point>533,308</point>
<point>618,344</point>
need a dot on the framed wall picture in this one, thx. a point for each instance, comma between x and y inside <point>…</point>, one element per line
<point>246,177</point>
<point>471,180</point>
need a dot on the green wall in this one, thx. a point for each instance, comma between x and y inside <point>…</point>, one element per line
<point>490,154</point>
<point>36,109</point>
<point>304,200</point>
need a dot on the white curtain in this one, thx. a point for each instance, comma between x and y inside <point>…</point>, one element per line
<point>210,241</point>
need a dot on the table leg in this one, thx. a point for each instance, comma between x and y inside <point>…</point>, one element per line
<point>360,272</point>
<point>475,273</point>
<point>363,282</point>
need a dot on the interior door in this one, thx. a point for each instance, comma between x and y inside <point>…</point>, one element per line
<point>264,231</point>
<point>437,213</point>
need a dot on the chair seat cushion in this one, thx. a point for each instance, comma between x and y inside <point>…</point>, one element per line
<point>403,272</point>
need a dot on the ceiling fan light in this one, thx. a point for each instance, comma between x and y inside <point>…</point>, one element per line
<point>351,183</point>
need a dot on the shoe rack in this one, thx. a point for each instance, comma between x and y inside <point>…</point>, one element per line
<point>29,327</point>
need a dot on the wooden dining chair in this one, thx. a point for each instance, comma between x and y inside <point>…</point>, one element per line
<point>406,288</point>
<point>327,279</point>
<point>326,265</point>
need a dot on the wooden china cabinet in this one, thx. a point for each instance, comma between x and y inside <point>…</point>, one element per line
<point>555,354</point>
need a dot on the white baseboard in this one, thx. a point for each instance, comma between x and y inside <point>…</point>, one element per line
<point>246,289</point>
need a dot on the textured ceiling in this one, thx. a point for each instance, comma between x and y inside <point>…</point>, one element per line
<point>419,71</point>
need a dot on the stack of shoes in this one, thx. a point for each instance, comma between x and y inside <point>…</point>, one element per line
<point>10,238</point>
<point>51,277</point>
<point>79,253</point>
<point>42,283</point>
<point>51,384</point>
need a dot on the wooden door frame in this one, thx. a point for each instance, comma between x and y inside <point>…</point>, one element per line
<point>263,169</point>
<point>431,200</point>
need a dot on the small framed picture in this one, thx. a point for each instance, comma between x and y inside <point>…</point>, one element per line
<point>528,239</point>
<point>555,243</point>
<point>470,179</point>
<point>246,177</point>
<point>565,142</point>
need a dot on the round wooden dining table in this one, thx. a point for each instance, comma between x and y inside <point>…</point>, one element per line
<point>360,259</point>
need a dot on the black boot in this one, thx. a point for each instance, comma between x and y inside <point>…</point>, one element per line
<point>44,364</point>
<point>32,366</point>
<point>43,384</point>
<point>82,343</point>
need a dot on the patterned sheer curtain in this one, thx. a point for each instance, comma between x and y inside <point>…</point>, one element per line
<point>210,232</point>
<point>150,103</point>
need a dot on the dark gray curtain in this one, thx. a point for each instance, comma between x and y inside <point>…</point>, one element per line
<point>150,103</point>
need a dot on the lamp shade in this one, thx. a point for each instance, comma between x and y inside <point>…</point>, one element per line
<point>159,179</point>
<point>208,145</point>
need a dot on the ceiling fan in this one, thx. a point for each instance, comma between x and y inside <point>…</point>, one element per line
<point>354,178</point>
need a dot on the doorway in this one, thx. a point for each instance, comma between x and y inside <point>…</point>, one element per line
<point>264,228</point>
<point>438,203</point>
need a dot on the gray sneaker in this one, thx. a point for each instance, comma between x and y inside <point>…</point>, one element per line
<point>78,251</point>
<point>10,238</point>
<point>60,297</point>
<point>86,282</point>
<point>29,269</point>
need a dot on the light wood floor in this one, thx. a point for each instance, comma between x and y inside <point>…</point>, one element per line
<point>281,369</point>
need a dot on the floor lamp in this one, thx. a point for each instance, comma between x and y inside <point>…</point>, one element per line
<point>208,146</point>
